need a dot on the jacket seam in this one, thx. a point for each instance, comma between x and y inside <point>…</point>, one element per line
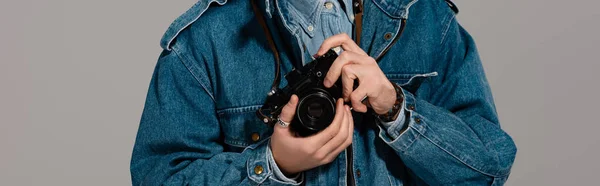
<point>168,44</point>
<point>194,75</point>
<point>446,29</point>
<point>416,137</point>
<point>242,109</point>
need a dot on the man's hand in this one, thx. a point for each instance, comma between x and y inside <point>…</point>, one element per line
<point>296,154</point>
<point>353,63</point>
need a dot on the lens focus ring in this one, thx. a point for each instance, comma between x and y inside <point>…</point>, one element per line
<point>316,111</point>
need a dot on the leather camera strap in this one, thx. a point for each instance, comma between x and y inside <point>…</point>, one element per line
<point>269,36</point>
<point>358,14</point>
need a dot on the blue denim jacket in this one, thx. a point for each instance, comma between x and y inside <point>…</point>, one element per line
<point>199,128</point>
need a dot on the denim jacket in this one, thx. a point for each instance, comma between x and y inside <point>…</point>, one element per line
<point>199,126</point>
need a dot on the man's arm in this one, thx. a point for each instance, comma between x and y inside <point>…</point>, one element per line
<point>454,136</point>
<point>178,140</point>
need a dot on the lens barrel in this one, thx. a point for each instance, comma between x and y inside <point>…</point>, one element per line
<point>314,113</point>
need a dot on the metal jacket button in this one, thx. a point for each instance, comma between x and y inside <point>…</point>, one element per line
<point>387,36</point>
<point>255,137</point>
<point>411,107</point>
<point>258,169</point>
<point>328,5</point>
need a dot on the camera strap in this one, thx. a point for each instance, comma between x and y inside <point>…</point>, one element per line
<point>358,14</point>
<point>269,36</point>
<point>358,21</point>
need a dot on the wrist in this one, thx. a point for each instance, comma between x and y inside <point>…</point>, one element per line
<point>393,112</point>
<point>279,172</point>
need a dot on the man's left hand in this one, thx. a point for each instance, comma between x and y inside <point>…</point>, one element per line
<point>354,63</point>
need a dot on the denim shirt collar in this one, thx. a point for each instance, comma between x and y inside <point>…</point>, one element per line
<point>297,14</point>
<point>303,13</point>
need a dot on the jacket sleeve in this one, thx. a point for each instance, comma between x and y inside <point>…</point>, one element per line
<point>452,135</point>
<point>179,141</point>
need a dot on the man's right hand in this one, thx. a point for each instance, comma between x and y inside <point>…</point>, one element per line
<point>296,154</point>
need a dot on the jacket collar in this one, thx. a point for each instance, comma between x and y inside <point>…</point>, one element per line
<point>185,20</point>
<point>394,8</point>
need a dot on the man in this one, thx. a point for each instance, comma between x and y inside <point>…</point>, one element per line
<point>422,113</point>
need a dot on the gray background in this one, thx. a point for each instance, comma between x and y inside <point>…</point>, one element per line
<point>74,75</point>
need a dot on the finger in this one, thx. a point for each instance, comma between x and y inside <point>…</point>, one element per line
<point>336,141</point>
<point>331,131</point>
<point>342,40</point>
<point>287,114</point>
<point>349,137</point>
<point>289,110</point>
<point>335,70</point>
<point>357,96</point>
<point>348,77</point>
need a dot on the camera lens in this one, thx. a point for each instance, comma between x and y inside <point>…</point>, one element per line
<point>315,112</point>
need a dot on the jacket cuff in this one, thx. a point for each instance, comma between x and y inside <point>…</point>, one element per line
<point>402,134</point>
<point>394,128</point>
<point>260,170</point>
<point>257,165</point>
<point>278,175</point>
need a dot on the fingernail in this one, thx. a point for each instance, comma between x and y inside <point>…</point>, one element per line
<point>315,56</point>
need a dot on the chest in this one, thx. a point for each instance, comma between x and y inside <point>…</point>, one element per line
<point>241,66</point>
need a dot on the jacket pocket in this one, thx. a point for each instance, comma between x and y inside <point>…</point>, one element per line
<point>240,127</point>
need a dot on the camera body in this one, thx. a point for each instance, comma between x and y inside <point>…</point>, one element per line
<point>316,105</point>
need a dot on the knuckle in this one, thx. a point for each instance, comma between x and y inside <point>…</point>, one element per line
<point>343,55</point>
<point>329,159</point>
<point>344,137</point>
<point>345,36</point>
<point>346,69</point>
<point>371,60</point>
<point>348,141</point>
<point>320,156</point>
<point>333,134</point>
<point>355,97</point>
<point>347,90</point>
<point>346,93</point>
<point>307,150</point>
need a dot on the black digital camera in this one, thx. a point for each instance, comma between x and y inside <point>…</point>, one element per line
<point>316,104</point>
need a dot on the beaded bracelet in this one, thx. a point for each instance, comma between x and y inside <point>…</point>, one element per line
<point>393,113</point>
